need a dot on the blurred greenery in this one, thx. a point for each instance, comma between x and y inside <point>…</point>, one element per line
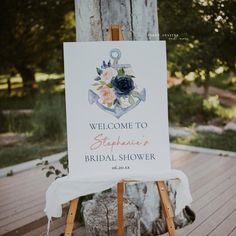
<point>187,108</point>
<point>45,128</point>
<point>200,37</point>
<point>184,107</point>
<point>32,33</point>
<point>49,119</point>
<point>15,123</point>
<point>224,141</point>
<point>225,81</point>
<point>16,154</point>
<point>16,102</point>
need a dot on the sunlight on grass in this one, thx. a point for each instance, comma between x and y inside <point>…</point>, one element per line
<point>17,83</point>
<point>226,112</point>
<point>38,77</point>
<point>224,141</point>
<point>42,76</point>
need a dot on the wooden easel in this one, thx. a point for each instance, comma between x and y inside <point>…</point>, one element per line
<point>115,34</point>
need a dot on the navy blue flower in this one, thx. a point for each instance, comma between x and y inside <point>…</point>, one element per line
<point>123,85</point>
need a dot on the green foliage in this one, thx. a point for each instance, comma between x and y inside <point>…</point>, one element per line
<point>49,121</point>
<point>15,123</point>
<point>225,81</point>
<point>226,113</point>
<point>213,109</point>
<point>50,86</point>
<point>51,170</point>
<point>121,72</point>
<point>204,35</point>
<point>184,107</point>
<point>64,162</point>
<point>211,105</point>
<point>224,141</point>
<point>12,155</point>
<point>79,212</point>
<point>32,33</point>
<point>187,108</point>
<point>15,102</point>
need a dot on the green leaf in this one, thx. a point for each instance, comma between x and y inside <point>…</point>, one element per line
<point>131,100</point>
<point>64,159</point>
<point>99,71</point>
<point>99,87</point>
<point>110,85</point>
<point>130,76</point>
<point>10,173</point>
<point>135,94</point>
<point>95,84</point>
<point>57,172</point>
<point>102,82</point>
<point>97,78</point>
<point>65,166</point>
<point>121,72</point>
<point>49,173</point>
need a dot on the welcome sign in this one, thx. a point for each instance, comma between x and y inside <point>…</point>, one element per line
<point>116,103</point>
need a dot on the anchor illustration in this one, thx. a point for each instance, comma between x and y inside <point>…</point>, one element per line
<point>122,86</point>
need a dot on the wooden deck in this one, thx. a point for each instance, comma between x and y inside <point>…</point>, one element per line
<point>213,186</point>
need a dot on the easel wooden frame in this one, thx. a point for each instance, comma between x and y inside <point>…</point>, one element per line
<point>115,34</point>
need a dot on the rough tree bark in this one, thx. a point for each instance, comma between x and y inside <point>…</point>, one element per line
<point>28,77</point>
<point>100,216</point>
<point>138,18</point>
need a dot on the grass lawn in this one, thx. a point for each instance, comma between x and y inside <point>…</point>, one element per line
<point>16,154</point>
<point>225,141</point>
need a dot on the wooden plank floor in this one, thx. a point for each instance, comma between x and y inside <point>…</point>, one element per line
<point>213,187</point>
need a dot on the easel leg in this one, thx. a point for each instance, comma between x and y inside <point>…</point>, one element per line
<point>120,217</point>
<point>166,206</point>
<point>71,217</point>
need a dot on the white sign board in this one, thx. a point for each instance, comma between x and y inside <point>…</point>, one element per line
<point>116,103</point>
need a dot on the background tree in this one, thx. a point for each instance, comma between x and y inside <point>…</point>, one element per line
<point>32,33</point>
<point>200,36</point>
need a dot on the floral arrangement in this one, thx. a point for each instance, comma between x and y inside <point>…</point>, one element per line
<point>115,86</point>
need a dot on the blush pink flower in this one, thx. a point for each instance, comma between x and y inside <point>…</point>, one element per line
<point>107,95</point>
<point>108,74</point>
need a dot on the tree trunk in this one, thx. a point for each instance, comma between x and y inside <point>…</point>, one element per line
<point>9,87</point>
<point>137,17</point>
<point>232,68</point>
<point>206,85</point>
<point>28,77</point>
<point>100,216</point>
